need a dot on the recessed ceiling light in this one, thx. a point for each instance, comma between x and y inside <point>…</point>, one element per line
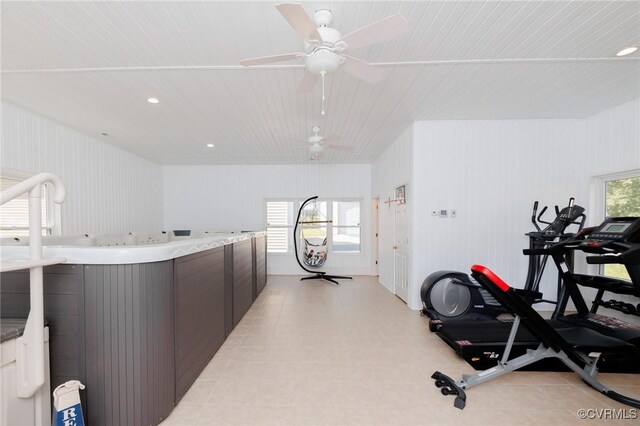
<point>627,51</point>
<point>153,100</point>
<point>210,145</point>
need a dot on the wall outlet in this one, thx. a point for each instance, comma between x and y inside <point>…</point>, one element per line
<point>443,213</point>
<point>454,213</point>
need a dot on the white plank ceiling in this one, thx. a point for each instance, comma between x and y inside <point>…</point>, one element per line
<point>92,65</point>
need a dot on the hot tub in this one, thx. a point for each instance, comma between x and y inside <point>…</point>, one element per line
<point>110,249</point>
<point>136,317</point>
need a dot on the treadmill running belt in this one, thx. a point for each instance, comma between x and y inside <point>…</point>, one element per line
<point>482,343</point>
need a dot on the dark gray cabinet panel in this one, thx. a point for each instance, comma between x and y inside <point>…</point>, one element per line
<point>200,314</point>
<point>242,279</point>
<point>260,263</point>
<point>129,343</point>
<point>63,311</point>
<point>228,289</point>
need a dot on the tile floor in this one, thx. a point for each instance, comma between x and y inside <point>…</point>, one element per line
<point>317,354</point>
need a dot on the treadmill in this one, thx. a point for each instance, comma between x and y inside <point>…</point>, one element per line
<point>616,240</point>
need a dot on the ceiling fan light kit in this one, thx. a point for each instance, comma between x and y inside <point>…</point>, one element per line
<point>316,148</point>
<point>323,60</point>
<point>324,49</point>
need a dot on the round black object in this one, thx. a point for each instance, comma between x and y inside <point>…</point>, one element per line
<point>442,295</point>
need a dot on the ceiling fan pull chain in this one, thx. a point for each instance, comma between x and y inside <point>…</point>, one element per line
<point>322,73</point>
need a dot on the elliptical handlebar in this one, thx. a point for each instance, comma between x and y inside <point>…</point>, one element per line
<point>544,209</point>
<point>570,215</point>
<point>533,215</point>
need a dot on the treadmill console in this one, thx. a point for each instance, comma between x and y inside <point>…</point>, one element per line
<point>617,229</point>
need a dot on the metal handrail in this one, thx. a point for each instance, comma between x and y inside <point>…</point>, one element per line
<point>30,362</point>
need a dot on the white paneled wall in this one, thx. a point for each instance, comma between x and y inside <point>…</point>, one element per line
<point>108,190</point>
<point>492,171</point>
<point>391,170</point>
<point>232,198</point>
<point>613,139</point>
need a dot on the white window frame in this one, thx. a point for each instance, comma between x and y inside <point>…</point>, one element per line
<point>597,206</point>
<point>332,226</point>
<point>297,202</point>
<point>52,225</point>
<point>598,202</point>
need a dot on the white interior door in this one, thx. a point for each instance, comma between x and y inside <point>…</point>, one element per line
<point>401,252</point>
<point>375,243</point>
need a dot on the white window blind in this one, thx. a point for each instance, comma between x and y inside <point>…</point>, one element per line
<point>278,226</point>
<point>14,215</point>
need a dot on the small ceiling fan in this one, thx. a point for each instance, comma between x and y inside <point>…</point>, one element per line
<point>317,144</point>
<point>324,46</point>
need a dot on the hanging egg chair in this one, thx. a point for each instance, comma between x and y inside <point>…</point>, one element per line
<point>313,227</point>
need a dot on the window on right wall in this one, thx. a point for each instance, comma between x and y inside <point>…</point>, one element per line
<point>622,198</point>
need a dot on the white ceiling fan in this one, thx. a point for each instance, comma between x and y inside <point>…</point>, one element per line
<point>317,144</point>
<point>325,46</point>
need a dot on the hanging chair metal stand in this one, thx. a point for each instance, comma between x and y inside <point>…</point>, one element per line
<point>317,275</point>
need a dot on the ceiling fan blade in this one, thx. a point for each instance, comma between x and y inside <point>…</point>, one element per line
<point>328,140</point>
<point>270,59</point>
<point>308,82</point>
<point>362,70</point>
<point>296,16</point>
<point>375,32</point>
<point>296,148</point>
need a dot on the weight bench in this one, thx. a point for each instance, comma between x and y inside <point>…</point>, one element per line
<point>577,347</point>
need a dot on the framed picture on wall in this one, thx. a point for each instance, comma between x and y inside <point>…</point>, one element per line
<point>400,199</point>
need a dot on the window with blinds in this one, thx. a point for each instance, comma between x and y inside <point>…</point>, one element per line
<point>279,226</point>
<point>14,215</point>
<point>343,233</point>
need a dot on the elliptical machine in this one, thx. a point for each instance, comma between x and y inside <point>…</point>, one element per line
<point>453,295</point>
